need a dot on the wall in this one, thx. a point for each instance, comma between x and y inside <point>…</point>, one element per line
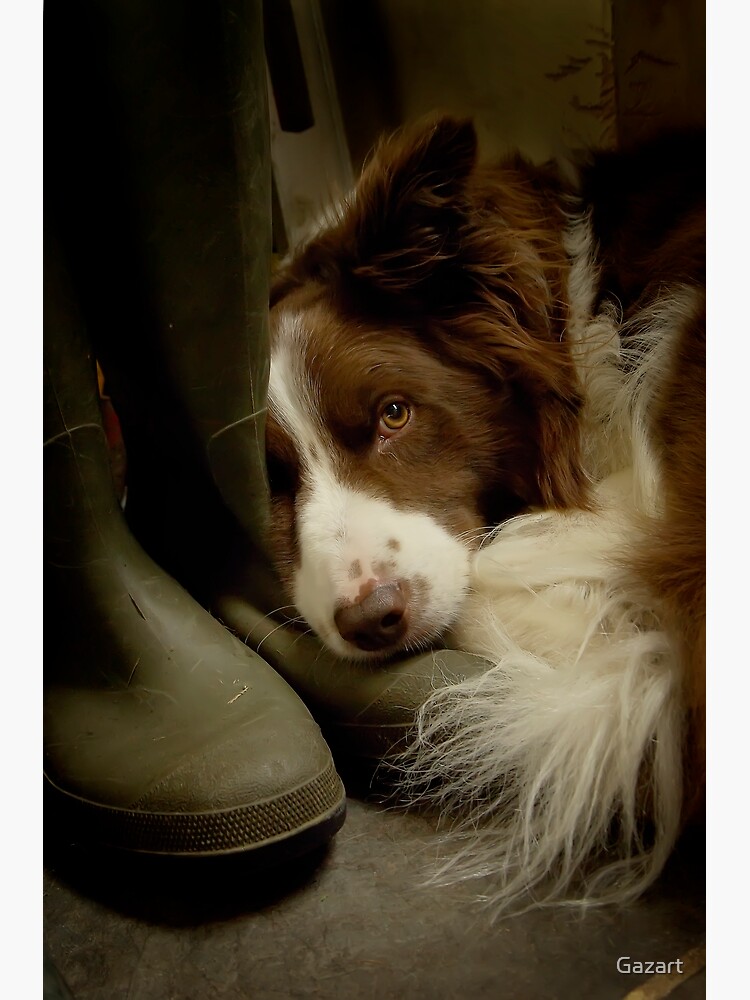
<point>545,76</point>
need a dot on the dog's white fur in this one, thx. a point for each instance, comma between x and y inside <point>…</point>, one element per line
<point>546,748</point>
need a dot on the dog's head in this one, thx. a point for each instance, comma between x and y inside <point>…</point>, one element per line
<point>420,390</point>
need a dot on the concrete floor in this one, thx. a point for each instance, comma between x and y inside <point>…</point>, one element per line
<point>348,922</point>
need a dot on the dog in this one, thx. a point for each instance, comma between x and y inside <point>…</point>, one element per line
<point>486,427</point>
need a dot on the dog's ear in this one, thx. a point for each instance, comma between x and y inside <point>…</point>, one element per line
<point>405,222</point>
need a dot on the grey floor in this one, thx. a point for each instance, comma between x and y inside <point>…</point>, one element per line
<point>352,922</point>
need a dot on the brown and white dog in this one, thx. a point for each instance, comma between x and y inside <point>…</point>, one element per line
<point>486,424</point>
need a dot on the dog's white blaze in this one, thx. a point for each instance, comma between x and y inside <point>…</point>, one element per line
<point>347,537</point>
<point>290,394</point>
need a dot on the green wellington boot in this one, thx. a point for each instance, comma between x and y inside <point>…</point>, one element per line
<point>163,733</point>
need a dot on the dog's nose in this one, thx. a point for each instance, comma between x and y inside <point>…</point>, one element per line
<point>377,621</point>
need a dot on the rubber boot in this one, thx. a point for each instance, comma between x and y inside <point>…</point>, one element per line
<point>159,182</point>
<point>163,733</point>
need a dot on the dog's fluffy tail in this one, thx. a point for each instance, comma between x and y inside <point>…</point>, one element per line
<point>558,772</point>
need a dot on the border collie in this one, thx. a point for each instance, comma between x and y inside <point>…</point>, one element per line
<point>485,427</point>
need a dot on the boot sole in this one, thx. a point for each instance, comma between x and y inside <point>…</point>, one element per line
<point>283,826</point>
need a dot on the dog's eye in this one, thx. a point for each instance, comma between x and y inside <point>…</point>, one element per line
<point>394,417</point>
